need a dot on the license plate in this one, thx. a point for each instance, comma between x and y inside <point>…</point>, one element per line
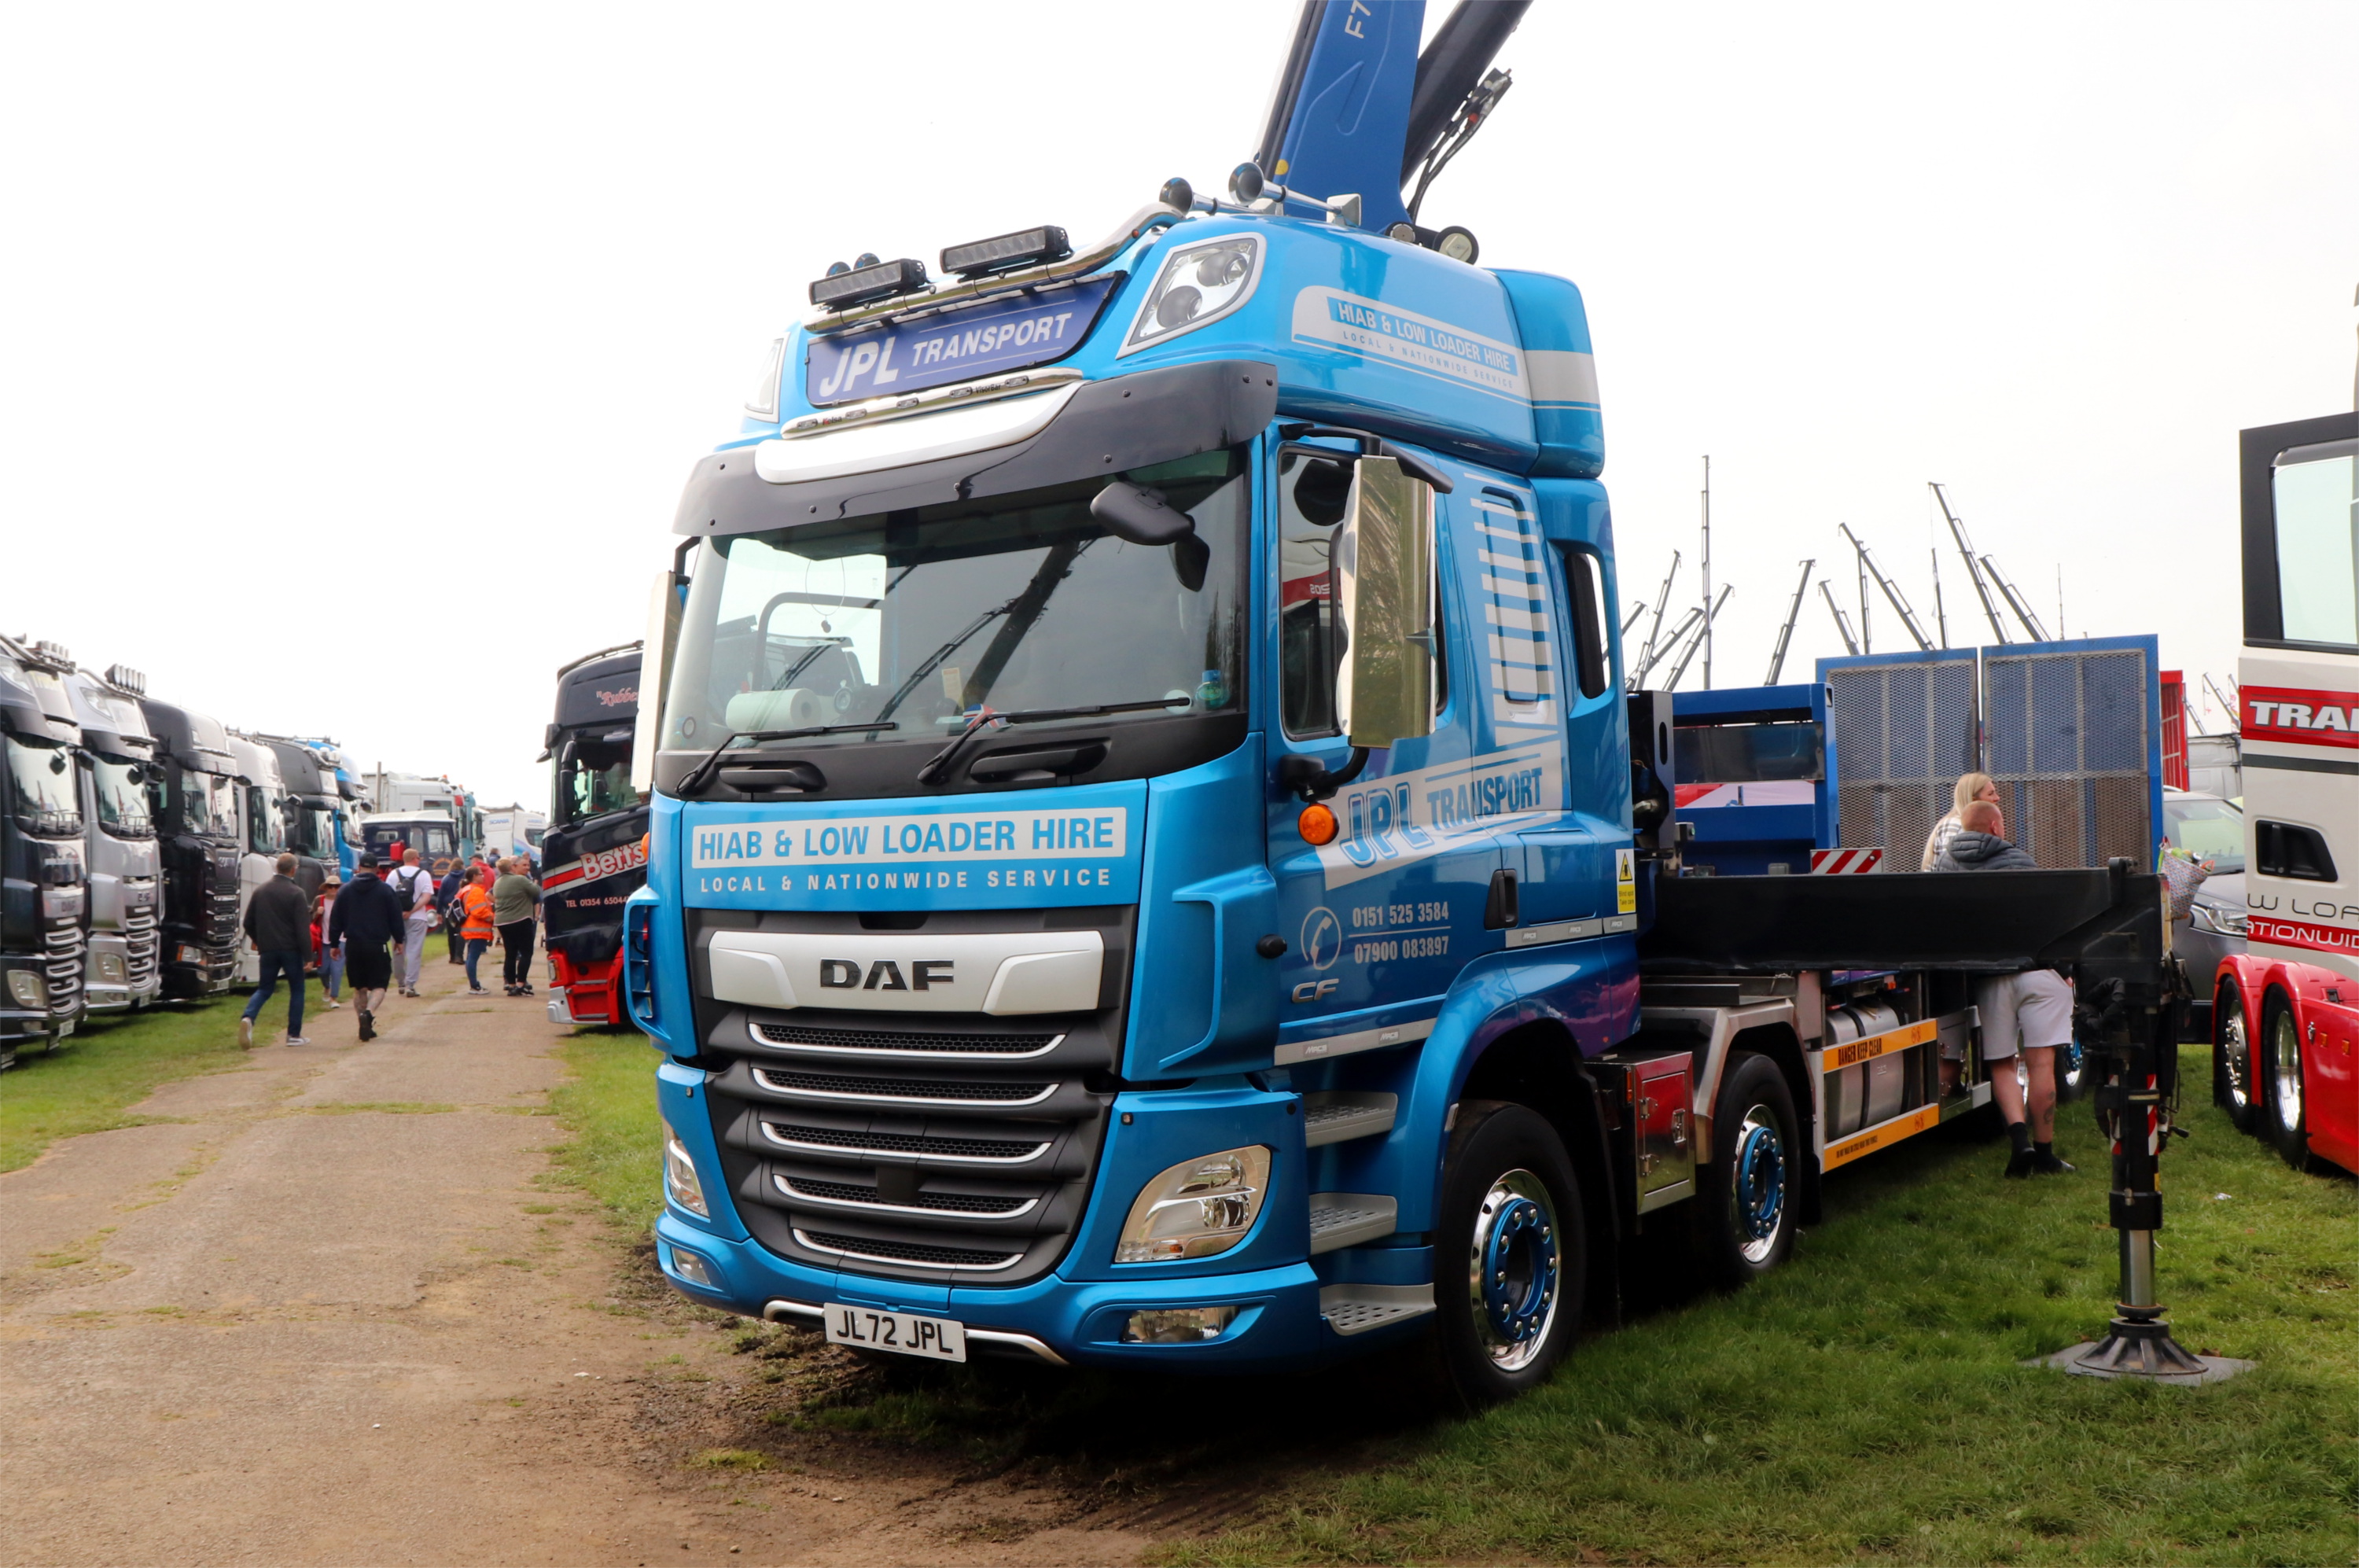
<point>904,1333</point>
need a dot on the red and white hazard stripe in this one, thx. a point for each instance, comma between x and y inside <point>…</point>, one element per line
<point>1836,861</point>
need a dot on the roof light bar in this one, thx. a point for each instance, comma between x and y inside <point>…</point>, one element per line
<point>861,284</point>
<point>1022,248</point>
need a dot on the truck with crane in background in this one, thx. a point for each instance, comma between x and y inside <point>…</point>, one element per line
<point>1152,863</point>
<point>594,852</point>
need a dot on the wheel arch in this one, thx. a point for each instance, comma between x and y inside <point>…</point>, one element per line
<point>1539,1064</point>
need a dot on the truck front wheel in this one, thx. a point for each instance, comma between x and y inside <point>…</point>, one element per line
<point>1746,1196</point>
<point>1509,1254</point>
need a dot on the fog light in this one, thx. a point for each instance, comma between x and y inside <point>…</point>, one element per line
<point>26,988</point>
<point>187,953</point>
<point>1196,1208</point>
<point>679,1177</point>
<point>111,969</point>
<point>1175,1326</point>
<point>690,1268</point>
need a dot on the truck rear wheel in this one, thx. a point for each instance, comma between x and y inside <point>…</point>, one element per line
<point>1510,1253</point>
<point>2232,1060</point>
<point>2283,1089</point>
<point>1745,1217</point>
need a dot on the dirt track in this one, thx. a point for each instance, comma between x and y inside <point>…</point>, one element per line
<point>326,1314</point>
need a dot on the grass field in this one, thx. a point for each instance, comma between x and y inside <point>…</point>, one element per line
<point>112,1063</point>
<point>1867,1401</point>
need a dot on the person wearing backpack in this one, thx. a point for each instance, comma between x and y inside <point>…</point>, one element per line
<point>446,901</point>
<point>414,885</point>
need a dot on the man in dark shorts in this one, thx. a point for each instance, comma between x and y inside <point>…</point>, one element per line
<point>367,916</point>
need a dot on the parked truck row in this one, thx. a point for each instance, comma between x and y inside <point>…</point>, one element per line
<point>136,830</point>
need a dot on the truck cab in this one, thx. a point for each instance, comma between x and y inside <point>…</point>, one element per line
<point>44,879</point>
<point>594,853</point>
<point>2285,1011</point>
<point>314,807</point>
<point>193,796</point>
<point>118,762</point>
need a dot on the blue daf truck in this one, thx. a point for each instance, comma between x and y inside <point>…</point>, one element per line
<point>1151,861</point>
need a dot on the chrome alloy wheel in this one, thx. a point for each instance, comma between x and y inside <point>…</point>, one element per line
<point>1757,1192</point>
<point>2285,1068</point>
<point>1512,1273</point>
<point>2236,1063</point>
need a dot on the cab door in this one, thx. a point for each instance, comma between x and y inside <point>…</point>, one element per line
<point>1380,919</point>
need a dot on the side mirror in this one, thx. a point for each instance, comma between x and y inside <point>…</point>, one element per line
<point>655,677</point>
<point>1385,598</point>
<point>1136,515</point>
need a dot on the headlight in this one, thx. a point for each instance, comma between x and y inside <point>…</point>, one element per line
<point>679,1177</point>
<point>2222,918</point>
<point>27,989</point>
<point>1196,1208</point>
<point>1199,283</point>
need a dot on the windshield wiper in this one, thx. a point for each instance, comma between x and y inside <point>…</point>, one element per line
<point>701,774</point>
<point>939,764</point>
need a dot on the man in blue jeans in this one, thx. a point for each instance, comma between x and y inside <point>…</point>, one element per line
<point>278,923</point>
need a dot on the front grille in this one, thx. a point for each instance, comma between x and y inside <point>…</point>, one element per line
<point>871,1197</point>
<point>804,1036</point>
<point>142,944</point>
<point>902,1090</point>
<point>998,1151</point>
<point>63,963</point>
<point>907,1252</point>
<point>935,1147</point>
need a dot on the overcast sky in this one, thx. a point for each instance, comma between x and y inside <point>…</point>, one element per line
<point>353,357</point>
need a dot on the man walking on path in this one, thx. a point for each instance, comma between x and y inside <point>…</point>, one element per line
<point>279,923</point>
<point>446,898</point>
<point>2035,1007</point>
<point>515,897</point>
<point>365,916</point>
<point>415,887</point>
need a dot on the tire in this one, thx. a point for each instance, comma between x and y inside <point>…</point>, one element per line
<point>2232,1060</point>
<point>2282,1085</point>
<point>1744,1198</point>
<point>1510,1253</point>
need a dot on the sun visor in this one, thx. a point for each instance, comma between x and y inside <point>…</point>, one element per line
<point>1105,426</point>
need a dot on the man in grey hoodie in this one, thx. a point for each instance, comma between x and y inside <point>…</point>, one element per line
<point>2033,1009</point>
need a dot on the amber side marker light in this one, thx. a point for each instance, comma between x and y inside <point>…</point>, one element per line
<point>645,839</point>
<point>1315,824</point>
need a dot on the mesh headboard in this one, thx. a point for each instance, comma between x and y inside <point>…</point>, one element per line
<point>1904,729</point>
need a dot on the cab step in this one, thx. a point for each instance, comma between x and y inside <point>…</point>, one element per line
<point>1356,1309</point>
<point>1347,1219</point>
<point>1337,1115</point>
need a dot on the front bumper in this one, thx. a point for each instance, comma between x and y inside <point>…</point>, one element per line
<point>1077,1321</point>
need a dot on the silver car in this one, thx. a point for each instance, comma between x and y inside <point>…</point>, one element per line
<point>2213,829</point>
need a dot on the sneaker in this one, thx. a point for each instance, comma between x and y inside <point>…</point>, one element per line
<point>2049,1164</point>
<point>296,1040</point>
<point>524,990</point>
<point>245,1033</point>
<point>368,1025</point>
<point>331,1004</point>
<point>479,991</point>
<point>2022,1163</point>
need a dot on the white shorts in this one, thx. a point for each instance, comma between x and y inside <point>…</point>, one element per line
<point>2035,1005</point>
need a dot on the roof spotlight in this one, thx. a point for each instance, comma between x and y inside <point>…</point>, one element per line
<point>870,280</point>
<point>1004,252</point>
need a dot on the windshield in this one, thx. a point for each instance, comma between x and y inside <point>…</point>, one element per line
<point>123,796</point>
<point>41,787</point>
<point>593,778</point>
<point>432,840</point>
<point>2208,829</point>
<point>266,832</point>
<point>308,832</point>
<point>208,804</point>
<point>917,618</point>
